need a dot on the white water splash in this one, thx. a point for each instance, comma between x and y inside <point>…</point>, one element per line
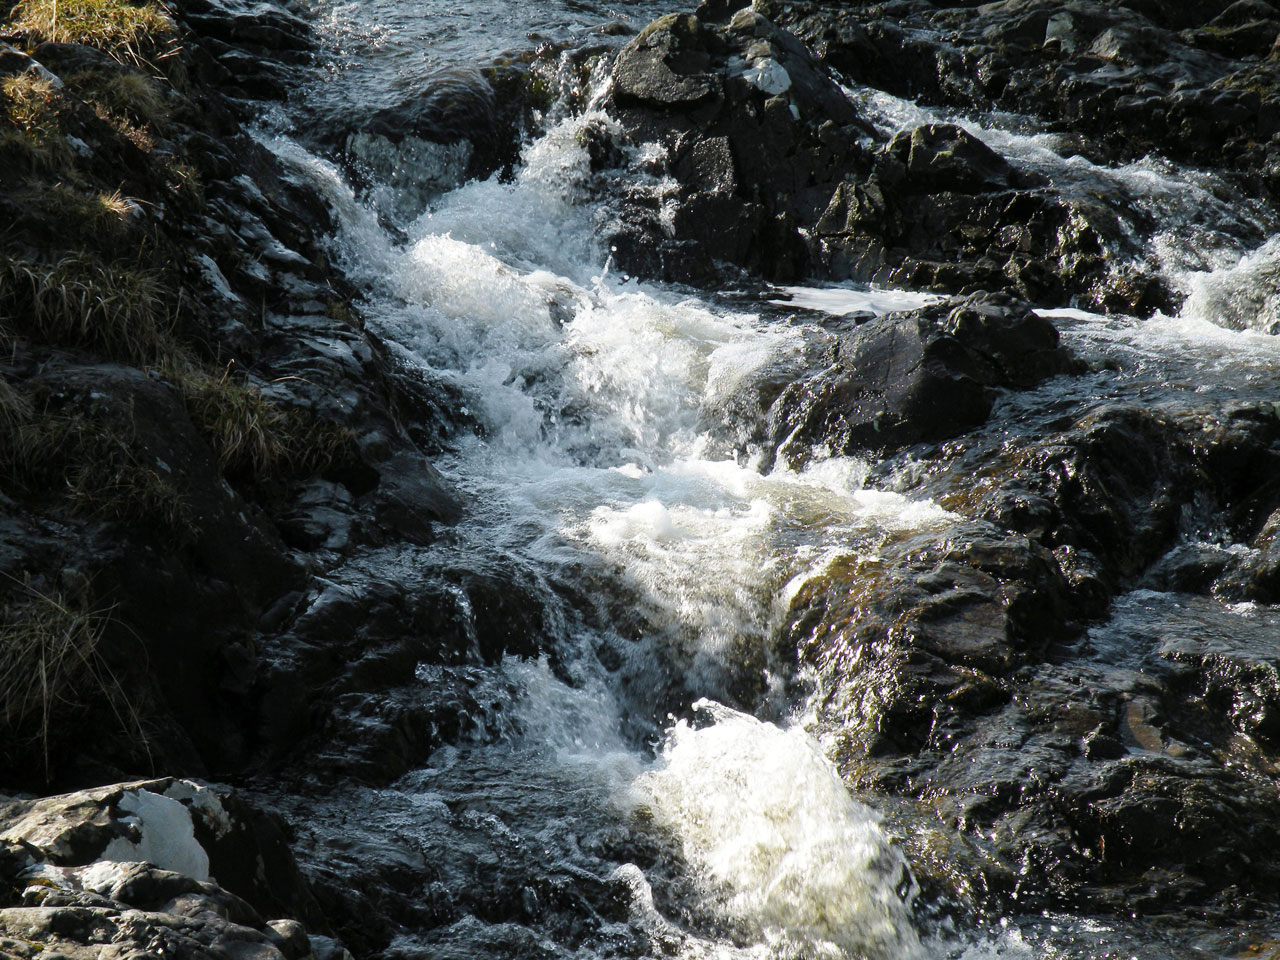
<point>780,844</point>
<point>595,396</point>
<point>1244,295</point>
<point>840,300</point>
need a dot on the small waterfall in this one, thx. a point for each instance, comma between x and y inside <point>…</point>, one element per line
<point>598,445</point>
<point>600,401</point>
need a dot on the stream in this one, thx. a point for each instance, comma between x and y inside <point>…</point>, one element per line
<point>651,779</point>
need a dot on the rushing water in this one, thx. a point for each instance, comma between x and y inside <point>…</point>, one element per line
<point>673,795</point>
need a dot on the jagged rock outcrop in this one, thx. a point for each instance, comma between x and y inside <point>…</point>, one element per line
<point>1192,82</point>
<point>1019,677</point>
<point>194,421</point>
<point>773,171</point>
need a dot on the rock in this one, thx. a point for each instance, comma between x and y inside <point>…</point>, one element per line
<point>191,831</point>
<point>374,669</point>
<point>134,865</point>
<point>1072,68</point>
<point>907,378</point>
<point>776,174</point>
<point>1007,681</point>
<point>664,66</point>
<point>448,133</point>
<point>940,156</point>
<point>13,62</point>
<point>190,547</point>
<point>79,931</point>
<point>757,137</point>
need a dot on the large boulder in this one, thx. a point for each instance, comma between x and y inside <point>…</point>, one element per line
<point>756,135</point>
<point>923,376</point>
<point>174,865</point>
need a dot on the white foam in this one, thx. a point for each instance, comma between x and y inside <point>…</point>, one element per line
<point>594,394</point>
<point>166,835</point>
<point>841,300</point>
<point>777,839</point>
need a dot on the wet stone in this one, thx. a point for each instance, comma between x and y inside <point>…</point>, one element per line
<point>907,378</point>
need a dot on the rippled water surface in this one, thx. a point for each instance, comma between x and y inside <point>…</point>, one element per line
<point>382,50</point>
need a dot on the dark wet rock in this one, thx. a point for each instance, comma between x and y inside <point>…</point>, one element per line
<point>457,862</point>
<point>1256,576</point>
<point>666,66</point>
<point>450,132</point>
<point>907,378</point>
<point>942,156</point>
<point>180,543</point>
<point>778,175</point>
<point>376,669</point>
<point>174,862</point>
<point>1115,487</point>
<point>1007,679</point>
<point>755,133</point>
<point>1133,78</point>
<point>947,688</point>
<point>251,51</point>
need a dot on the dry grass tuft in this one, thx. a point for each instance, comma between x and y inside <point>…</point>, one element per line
<point>122,96</point>
<point>79,301</point>
<point>92,214</point>
<point>95,468</point>
<point>31,135</point>
<point>141,34</point>
<point>50,670</point>
<point>254,437</point>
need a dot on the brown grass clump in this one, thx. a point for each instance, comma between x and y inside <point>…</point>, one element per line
<point>49,671</point>
<point>142,34</point>
<point>80,301</point>
<point>98,214</point>
<point>96,469</point>
<point>257,439</point>
<point>123,97</point>
<point>31,135</point>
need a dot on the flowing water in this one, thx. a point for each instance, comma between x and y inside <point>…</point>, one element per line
<point>647,786</point>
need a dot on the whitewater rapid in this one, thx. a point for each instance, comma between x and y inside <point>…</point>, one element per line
<point>601,449</point>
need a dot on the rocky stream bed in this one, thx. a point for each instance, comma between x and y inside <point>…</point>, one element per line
<point>779,480</point>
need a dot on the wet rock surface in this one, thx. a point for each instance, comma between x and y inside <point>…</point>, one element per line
<point>1130,77</point>
<point>898,380</point>
<point>164,865</point>
<point>224,435</point>
<point>770,169</point>
<point>1019,678</point>
<point>1056,669</point>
